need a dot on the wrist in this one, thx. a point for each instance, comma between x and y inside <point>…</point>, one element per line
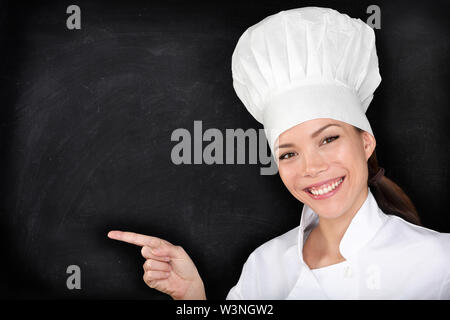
<point>197,292</point>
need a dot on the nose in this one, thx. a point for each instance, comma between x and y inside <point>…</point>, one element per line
<point>314,164</point>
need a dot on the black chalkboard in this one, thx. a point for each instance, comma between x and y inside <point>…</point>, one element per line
<point>86,122</point>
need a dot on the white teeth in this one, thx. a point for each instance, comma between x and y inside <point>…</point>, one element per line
<point>326,189</point>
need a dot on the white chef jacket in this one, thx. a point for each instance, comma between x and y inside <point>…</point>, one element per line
<point>386,258</point>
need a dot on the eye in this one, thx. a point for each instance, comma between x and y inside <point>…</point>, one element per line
<point>283,156</point>
<point>329,139</point>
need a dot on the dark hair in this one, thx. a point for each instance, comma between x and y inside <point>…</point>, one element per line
<point>389,196</point>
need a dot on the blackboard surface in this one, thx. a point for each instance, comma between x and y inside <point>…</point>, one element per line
<point>86,123</point>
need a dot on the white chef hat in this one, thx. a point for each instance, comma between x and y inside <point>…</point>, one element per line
<point>303,64</point>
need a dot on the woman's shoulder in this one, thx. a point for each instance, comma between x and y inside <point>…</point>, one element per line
<point>273,253</point>
<point>408,235</point>
<point>267,269</point>
<point>412,230</point>
<point>279,244</point>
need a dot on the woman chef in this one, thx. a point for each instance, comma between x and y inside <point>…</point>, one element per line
<point>308,75</point>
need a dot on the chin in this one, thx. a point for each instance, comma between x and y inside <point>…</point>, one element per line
<point>328,214</point>
<point>330,210</point>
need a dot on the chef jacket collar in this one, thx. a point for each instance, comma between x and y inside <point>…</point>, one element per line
<point>361,229</point>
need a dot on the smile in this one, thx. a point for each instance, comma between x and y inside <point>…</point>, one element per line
<point>325,190</point>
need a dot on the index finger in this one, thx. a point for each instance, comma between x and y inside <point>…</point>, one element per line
<point>135,238</point>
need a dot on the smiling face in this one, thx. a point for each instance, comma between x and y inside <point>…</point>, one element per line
<point>323,163</point>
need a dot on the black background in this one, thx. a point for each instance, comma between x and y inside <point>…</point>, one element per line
<point>86,121</point>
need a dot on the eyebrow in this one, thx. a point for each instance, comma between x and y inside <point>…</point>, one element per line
<point>315,134</point>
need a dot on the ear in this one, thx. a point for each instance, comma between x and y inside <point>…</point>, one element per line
<point>369,143</point>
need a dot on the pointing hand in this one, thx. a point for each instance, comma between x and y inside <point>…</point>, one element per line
<point>167,268</point>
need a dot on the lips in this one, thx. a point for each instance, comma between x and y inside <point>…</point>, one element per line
<point>322,184</point>
<point>330,191</point>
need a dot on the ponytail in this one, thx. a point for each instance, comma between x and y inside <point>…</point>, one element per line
<point>389,196</point>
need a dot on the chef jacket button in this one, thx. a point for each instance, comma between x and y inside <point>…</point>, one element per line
<point>348,272</point>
